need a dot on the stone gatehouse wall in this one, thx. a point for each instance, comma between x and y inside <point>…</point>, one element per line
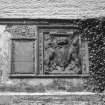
<point>29,84</point>
<point>91,30</point>
<point>88,15</point>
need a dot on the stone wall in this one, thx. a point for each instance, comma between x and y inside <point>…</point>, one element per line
<point>66,9</point>
<point>29,84</point>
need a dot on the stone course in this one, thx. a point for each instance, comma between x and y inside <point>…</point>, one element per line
<point>52,99</point>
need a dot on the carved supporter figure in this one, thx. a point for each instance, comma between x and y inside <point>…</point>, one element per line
<point>63,55</point>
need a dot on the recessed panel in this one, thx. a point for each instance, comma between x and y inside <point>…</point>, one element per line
<point>23,49</point>
<point>23,56</point>
<point>23,67</point>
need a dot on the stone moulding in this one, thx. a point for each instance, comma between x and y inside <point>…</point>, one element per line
<point>52,99</point>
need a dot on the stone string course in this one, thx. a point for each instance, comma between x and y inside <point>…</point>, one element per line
<point>52,100</point>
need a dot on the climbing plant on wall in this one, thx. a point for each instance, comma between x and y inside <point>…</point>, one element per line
<point>93,30</point>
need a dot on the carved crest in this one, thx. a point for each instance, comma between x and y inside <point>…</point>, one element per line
<point>62,54</point>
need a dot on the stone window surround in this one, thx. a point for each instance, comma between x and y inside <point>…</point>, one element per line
<point>31,21</point>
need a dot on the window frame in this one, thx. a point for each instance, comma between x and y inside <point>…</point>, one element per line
<point>22,75</point>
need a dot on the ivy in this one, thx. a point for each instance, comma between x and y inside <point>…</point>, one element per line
<point>93,30</point>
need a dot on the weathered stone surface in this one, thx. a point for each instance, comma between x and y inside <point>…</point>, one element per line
<point>52,100</point>
<point>29,85</point>
<point>66,9</point>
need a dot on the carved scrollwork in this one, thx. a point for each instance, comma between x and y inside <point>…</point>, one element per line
<point>21,30</point>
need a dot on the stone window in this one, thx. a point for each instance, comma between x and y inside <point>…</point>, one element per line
<point>23,57</point>
<point>23,50</point>
<point>49,51</point>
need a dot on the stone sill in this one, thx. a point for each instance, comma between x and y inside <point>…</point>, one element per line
<point>49,93</point>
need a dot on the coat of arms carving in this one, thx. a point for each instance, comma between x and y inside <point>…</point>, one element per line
<point>62,54</point>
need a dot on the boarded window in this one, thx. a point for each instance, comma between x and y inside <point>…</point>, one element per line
<point>23,56</point>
